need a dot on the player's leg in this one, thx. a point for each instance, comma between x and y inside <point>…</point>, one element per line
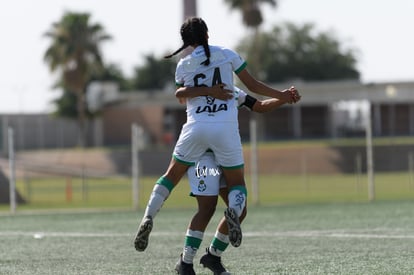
<point>204,181</point>
<point>212,258</point>
<point>236,203</point>
<point>160,193</point>
<point>229,155</point>
<point>188,146</point>
<point>222,229</point>
<point>195,232</point>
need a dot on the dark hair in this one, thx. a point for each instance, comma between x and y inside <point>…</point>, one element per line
<point>194,31</point>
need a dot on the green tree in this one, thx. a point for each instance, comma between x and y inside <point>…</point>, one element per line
<point>291,52</point>
<point>75,54</point>
<point>113,73</point>
<point>66,103</point>
<point>155,74</point>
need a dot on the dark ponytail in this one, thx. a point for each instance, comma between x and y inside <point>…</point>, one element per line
<point>176,52</point>
<point>194,32</point>
<point>207,52</point>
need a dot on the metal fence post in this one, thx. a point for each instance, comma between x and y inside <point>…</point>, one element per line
<point>137,143</point>
<point>253,160</point>
<point>12,180</point>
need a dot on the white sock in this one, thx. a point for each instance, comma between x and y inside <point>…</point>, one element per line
<point>159,194</point>
<point>237,200</point>
<point>193,240</point>
<point>218,244</point>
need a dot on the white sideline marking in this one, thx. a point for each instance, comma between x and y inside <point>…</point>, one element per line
<point>287,234</point>
<point>328,234</point>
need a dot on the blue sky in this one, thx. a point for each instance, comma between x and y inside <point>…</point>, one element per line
<point>379,31</point>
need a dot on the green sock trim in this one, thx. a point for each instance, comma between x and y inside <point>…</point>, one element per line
<point>219,245</point>
<point>192,242</point>
<point>241,188</point>
<point>166,183</point>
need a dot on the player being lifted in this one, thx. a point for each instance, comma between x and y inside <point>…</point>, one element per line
<point>211,124</point>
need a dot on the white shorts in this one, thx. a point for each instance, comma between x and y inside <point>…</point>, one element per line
<point>222,138</point>
<point>205,177</point>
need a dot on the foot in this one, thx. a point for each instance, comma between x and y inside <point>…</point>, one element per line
<point>141,239</point>
<point>233,223</point>
<point>183,268</point>
<point>213,263</point>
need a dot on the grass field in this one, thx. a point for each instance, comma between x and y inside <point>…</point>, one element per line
<point>317,238</point>
<point>303,224</point>
<point>273,190</point>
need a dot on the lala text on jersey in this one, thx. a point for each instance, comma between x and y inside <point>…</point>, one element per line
<point>211,107</point>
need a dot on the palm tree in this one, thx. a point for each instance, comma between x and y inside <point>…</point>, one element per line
<point>251,13</point>
<point>74,52</point>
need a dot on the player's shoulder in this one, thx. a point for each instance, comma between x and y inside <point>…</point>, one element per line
<point>224,50</point>
<point>188,64</point>
<point>183,59</point>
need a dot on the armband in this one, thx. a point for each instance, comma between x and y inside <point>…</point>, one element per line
<point>249,102</point>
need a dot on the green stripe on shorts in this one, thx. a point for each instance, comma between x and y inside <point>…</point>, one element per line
<point>183,162</point>
<point>233,167</point>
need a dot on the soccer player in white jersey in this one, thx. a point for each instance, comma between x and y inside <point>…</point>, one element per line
<point>206,183</point>
<point>211,124</point>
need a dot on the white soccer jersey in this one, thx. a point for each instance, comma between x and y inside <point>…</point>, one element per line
<point>191,73</point>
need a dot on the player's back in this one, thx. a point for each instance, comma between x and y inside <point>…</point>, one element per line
<point>192,72</point>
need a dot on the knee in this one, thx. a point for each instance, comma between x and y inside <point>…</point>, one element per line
<point>207,212</point>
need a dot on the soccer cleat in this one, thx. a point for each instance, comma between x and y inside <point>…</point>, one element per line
<point>141,239</point>
<point>213,263</point>
<point>184,268</point>
<point>233,223</point>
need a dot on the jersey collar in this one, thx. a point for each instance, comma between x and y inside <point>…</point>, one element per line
<point>198,51</point>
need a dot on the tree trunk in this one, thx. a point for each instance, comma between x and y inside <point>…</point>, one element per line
<point>190,8</point>
<point>5,191</point>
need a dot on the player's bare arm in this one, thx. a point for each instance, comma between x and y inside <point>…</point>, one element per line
<point>260,88</point>
<point>217,91</point>
<point>266,105</point>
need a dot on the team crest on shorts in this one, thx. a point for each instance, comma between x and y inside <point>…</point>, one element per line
<point>202,186</point>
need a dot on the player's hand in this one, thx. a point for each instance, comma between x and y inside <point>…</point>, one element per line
<point>294,93</point>
<point>218,91</point>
